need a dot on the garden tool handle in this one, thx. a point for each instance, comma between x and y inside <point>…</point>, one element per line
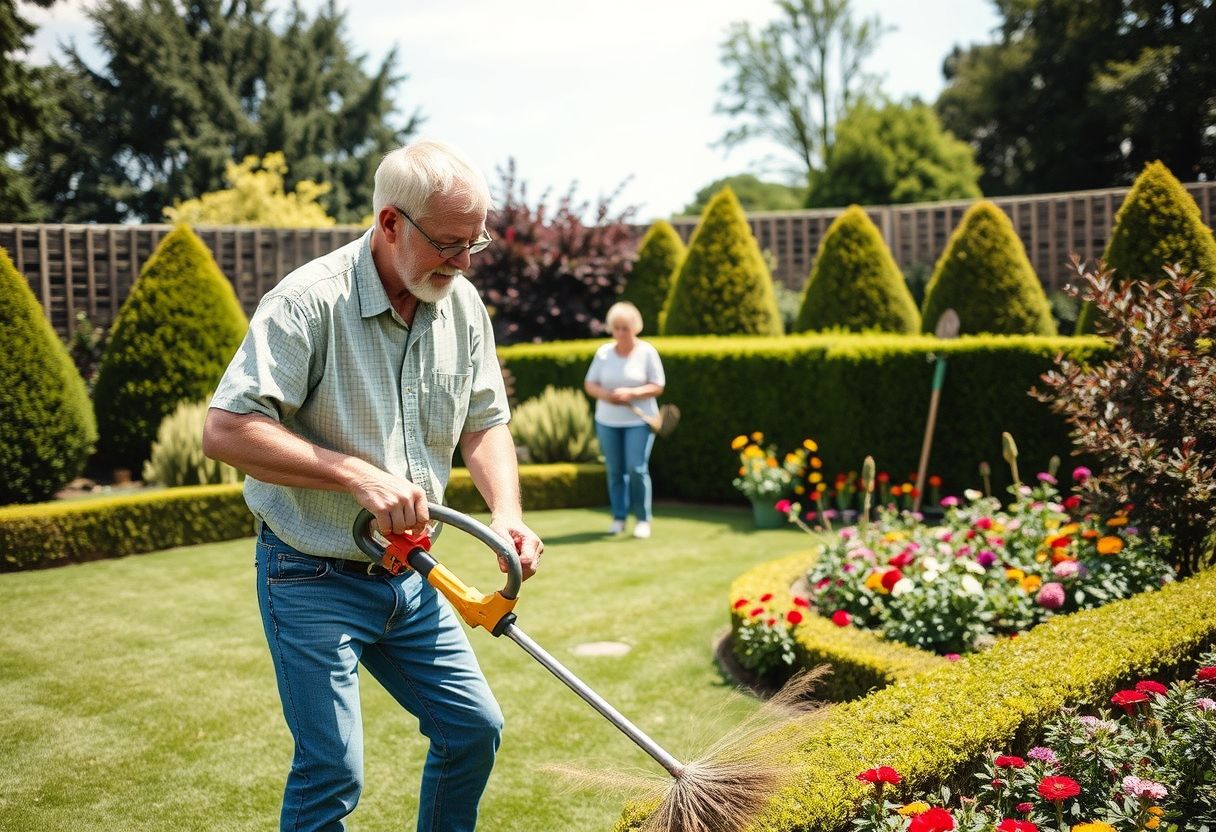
<point>493,612</point>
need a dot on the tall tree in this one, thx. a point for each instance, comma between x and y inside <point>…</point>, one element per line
<point>894,153</point>
<point>23,110</point>
<point>184,87</point>
<point>1082,93</point>
<point>790,80</point>
<point>754,194</point>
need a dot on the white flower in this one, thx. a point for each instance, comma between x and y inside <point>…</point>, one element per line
<point>971,586</point>
<point>930,575</point>
<point>931,564</point>
<point>972,566</point>
<point>944,549</point>
<point>901,586</point>
<point>972,495</point>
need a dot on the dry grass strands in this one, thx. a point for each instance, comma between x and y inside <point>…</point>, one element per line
<point>731,783</point>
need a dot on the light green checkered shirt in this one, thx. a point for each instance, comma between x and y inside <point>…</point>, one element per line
<point>328,357</point>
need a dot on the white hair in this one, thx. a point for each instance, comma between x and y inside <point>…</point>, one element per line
<point>409,176</point>
<point>625,312</point>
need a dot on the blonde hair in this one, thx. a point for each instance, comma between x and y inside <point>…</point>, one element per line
<point>622,310</point>
<point>409,176</point>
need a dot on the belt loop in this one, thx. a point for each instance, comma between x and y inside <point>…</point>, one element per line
<point>371,566</point>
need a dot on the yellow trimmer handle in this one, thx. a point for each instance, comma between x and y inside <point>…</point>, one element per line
<point>493,612</point>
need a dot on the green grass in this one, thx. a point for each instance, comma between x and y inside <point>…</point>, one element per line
<point>139,694</point>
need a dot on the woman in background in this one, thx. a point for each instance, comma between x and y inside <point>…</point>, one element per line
<point>624,378</point>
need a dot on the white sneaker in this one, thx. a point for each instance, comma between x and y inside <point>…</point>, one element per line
<point>642,529</point>
<point>617,527</point>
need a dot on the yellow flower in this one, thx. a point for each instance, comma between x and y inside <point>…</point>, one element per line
<point>1110,545</point>
<point>1093,826</point>
<point>815,477</point>
<point>791,459</point>
<point>874,582</point>
<point>1071,528</point>
<point>1152,823</point>
<point>810,445</point>
<point>1014,574</point>
<point>772,463</point>
<point>1031,582</point>
<point>1156,810</point>
<point>821,487</point>
<point>752,451</point>
<point>913,809</point>
<point>1117,520</point>
<point>1040,556</point>
<point>798,489</point>
<point>1051,524</point>
<point>816,462</point>
<point>757,437</point>
<point>738,443</point>
<point>742,471</point>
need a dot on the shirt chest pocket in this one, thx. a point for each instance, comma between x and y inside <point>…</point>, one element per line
<point>446,406</point>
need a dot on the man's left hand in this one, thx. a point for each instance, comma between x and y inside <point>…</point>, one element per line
<point>527,544</point>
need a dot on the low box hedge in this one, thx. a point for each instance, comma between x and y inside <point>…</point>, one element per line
<point>936,727</point>
<point>52,534</point>
<point>861,661</point>
<point>856,395</point>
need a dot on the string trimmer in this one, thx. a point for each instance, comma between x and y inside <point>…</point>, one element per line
<point>719,793</point>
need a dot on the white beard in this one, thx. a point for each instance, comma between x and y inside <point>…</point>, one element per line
<point>427,291</point>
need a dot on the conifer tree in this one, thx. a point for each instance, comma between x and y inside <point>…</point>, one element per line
<point>649,282</point>
<point>985,276</point>
<point>47,429</point>
<point>723,286</point>
<point>855,284</point>
<point>170,343</point>
<point>1157,225</point>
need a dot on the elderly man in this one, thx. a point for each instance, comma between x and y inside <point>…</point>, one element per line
<point>360,374</point>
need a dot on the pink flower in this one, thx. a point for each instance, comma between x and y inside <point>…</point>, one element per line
<point>783,506</point>
<point>1011,825</point>
<point>984,523</point>
<point>1066,569</point>
<point>1050,596</point>
<point>1080,474</point>
<point>1046,477</point>
<point>1205,704</point>
<point>952,657</point>
<point>1144,789</point>
<point>949,502</point>
<point>1042,754</point>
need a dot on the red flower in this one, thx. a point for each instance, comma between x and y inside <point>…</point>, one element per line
<point>901,560</point>
<point>1129,699</point>
<point>766,597</point>
<point>741,603</point>
<point>882,774</point>
<point>841,618</point>
<point>1072,503</point>
<point>984,523</point>
<point>934,820</point>
<point>1206,674</point>
<point>794,617</point>
<point>1059,788</point>
<point>799,601</point>
<point>757,612</point>
<point>890,578</point>
<point>935,481</point>
<point>1024,808</point>
<point>771,622</point>
<point>1011,825</point>
<point>1009,761</point>
<point>1149,686</point>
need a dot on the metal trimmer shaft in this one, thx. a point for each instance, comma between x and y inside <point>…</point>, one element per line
<point>674,767</point>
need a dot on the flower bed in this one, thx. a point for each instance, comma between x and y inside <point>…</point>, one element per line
<point>1150,764</point>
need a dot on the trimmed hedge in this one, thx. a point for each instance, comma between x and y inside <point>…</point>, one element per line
<point>936,727</point>
<point>856,395</point>
<point>861,660</point>
<point>53,534</point>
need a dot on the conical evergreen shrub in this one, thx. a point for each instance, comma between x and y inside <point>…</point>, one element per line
<point>723,286</point>
<point>855,284</point>
<point>985,276</point>
<point>1157,225</point>
<point>47,429</point>
<point>649,282</point>
<point>170,343</point>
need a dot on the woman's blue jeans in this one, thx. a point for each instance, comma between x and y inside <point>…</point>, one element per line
<point>627,459</point>
<point>321,623</point>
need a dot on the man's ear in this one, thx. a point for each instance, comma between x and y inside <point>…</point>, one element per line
<point>390,223</point>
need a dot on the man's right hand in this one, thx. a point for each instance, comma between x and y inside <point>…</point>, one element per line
<point>398,504</point>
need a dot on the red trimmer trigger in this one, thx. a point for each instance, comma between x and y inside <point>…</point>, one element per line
<point>396,554</point>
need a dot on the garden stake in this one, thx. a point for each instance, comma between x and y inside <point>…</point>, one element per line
<point>947,327</point>
<point>718,794</point>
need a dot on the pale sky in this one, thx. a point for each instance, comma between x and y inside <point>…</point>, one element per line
<point>594,93</point>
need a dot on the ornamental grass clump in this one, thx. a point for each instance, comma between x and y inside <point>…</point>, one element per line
<point>1148,763</point>
<point>985,572</point>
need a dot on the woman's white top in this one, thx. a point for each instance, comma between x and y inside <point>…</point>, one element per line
<point>611,370</point>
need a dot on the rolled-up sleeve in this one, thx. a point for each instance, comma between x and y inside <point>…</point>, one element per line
<point>270,372</point>
<point>488,405</point>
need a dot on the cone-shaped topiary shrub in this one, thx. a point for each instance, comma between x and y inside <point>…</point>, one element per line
<point>723,287</point>
<point>985,276</point>
<point>659,256</point>
<point>46,422</point>
<point>855,283</point>
<point>1158,225</point>
<point>170,343</point>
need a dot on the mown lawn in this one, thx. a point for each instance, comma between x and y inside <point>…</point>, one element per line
<point>138,693</point>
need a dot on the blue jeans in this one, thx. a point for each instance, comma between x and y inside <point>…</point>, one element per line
<point>321,623</point>
<point>627,459</point>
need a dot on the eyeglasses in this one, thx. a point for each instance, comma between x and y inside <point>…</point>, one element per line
<point>452,249</point>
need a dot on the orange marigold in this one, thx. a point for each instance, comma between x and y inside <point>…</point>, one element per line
<point>1110,545</point>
